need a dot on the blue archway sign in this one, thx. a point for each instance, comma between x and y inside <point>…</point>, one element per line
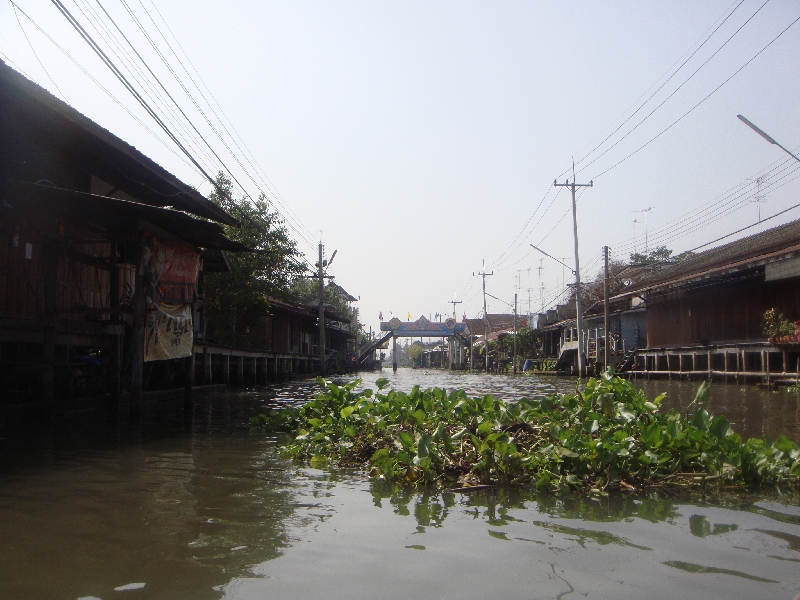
<point>422,327</point>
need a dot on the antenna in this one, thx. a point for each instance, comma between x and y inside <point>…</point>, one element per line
<point>646,212</point>
<point>758,198</point>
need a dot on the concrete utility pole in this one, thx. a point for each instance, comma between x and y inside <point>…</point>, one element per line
<point>578,303</point>
<point>607,345</point>
<point>484,275</point>
<point>453,338</point>
<point>514,358</point>
<point>321,282</point>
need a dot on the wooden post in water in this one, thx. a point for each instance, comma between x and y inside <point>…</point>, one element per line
<point>206,366</point>
<point>188,382</point>
<point>137,333</point>
<point>394,353</point>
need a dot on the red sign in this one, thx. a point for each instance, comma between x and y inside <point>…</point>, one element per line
<point>172,268</point>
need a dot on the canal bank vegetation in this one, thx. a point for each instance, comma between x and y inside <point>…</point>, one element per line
<point>607,437</point>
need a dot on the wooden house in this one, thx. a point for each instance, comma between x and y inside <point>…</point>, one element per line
<point>86,222</point>
<point>704,314</point>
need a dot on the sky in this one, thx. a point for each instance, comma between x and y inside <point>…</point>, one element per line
<point>420,140</point>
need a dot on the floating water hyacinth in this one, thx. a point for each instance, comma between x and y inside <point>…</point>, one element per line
<point>607,437</point>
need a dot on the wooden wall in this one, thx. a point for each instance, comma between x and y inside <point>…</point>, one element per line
<point>729,313</point>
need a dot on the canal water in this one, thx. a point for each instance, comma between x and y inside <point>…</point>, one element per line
<point>195,506</point>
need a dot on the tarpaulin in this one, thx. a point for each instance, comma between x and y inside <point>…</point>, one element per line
<point>172,268</point>
<point>168,332</point>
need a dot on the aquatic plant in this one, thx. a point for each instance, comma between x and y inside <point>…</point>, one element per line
<point>608,436</point>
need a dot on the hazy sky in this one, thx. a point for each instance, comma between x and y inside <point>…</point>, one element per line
<point>423,138</point>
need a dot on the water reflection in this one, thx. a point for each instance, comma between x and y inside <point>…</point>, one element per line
<point>384,540</point>
<point>179,505</point>
<point>194,506</point>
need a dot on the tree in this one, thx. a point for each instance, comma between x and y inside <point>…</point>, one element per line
<point>233,300</point>
<point>307,290</point>
<point>659,255</point>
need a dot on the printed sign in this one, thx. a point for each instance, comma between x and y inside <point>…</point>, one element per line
<point>168,332</point>
<point>172,269</point>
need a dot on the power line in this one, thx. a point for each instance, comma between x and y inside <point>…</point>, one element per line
<point>675,91</point>
<point>715,90</point>
<point>246,152</point>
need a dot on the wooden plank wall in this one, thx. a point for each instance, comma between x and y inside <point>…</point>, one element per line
<point>725,314</point>
<point>78,285</point>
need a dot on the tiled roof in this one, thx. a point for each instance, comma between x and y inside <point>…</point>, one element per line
<point>741,254</point>
<point>497,322</point>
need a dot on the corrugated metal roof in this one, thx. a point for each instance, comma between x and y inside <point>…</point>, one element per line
<point>26,102</point>
<point>741,254</point>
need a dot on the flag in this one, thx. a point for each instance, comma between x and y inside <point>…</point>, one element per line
<point>409,316</point>
<point>380,316</point>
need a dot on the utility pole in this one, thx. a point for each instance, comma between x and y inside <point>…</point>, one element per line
<point>607,344</point>
<point>453,338</point>
<point>514,357</point>
<point>321,277</point>
<point>321,282</point>
<point>484,275</point>
<point>578,303</point>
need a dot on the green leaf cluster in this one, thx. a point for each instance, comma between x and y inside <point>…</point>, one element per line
<point>606,437</point>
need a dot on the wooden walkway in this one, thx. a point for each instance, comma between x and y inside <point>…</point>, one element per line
<point>758,362</point>
<point>227,365</point>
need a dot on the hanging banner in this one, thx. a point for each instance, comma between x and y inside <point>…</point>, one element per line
<point>168,332</point>
<point>172,268</point>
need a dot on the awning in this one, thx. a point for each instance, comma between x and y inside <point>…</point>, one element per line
<point>115,217</point>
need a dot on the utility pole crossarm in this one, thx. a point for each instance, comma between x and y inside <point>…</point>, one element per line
<point>484,275</point>
<point>578,301</point>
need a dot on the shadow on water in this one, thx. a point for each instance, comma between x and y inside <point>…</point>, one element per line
<point>179,501</point>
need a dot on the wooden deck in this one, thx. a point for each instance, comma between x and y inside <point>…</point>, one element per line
<point>758,362</point>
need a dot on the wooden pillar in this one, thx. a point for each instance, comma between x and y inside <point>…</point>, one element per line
<point>226,369</point>
<point>137,334</point>
<point>394,354</point>
<point>255,370</point>
<point>784,358</point>
<point>49,328</point>
<point>277,373</point>
<point>116,340</point>
<point>206,366</point>
<point>266,369</point>
<point>240,364</point>
<point>188,385</point>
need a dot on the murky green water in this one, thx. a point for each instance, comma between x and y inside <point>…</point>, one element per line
<point>193,506</point>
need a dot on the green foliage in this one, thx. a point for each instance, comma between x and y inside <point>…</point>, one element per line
<point>774,324</point>
<point>662,254</point>
<point>237,299</point>
<point>606,437</point>
<point>305,290</point>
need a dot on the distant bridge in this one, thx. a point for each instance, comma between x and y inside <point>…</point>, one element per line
<point>420,328</point>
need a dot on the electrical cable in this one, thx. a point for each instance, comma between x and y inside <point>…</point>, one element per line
<point>675,91</point>
<point>715,90</point>
<point>46,72</point>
